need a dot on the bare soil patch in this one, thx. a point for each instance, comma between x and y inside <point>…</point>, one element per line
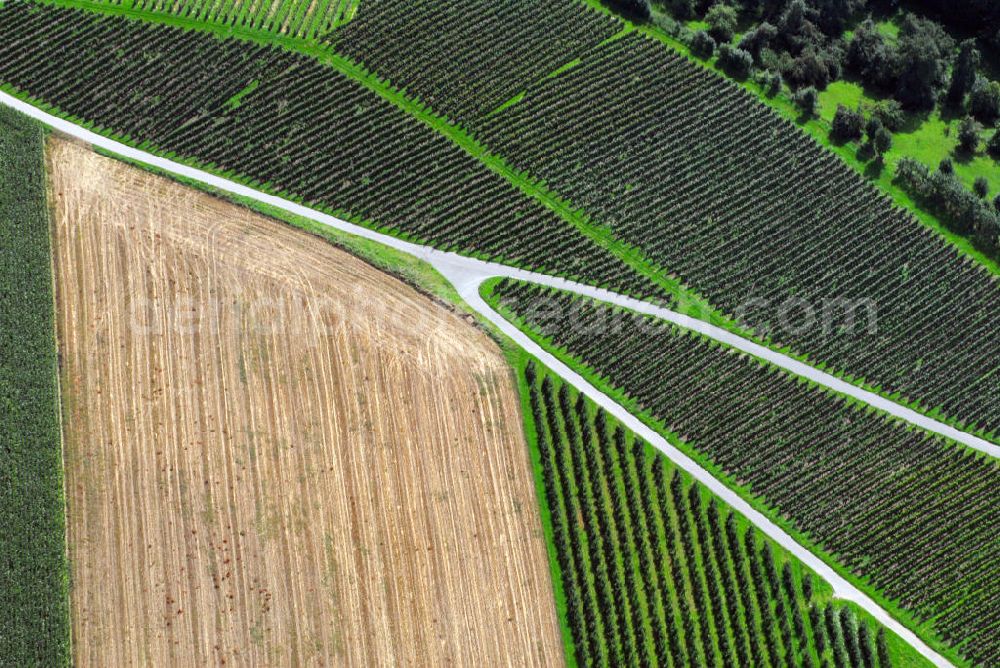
<point>277,455</point>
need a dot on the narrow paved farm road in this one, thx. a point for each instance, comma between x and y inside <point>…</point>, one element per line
<point>469,290</point>
<point>460,269</point>
<point>467,274</point>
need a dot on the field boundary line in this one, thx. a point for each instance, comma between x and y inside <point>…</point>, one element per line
<point>50,212</point>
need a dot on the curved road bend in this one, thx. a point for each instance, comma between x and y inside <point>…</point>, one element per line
<point>467,274</point>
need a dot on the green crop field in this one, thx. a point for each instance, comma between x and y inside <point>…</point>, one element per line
<point>34,622</point>
<point>654,569</point>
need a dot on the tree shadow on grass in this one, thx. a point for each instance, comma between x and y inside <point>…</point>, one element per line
<point>872,93</point>
<point>802,117</point>
<point>913,120</point>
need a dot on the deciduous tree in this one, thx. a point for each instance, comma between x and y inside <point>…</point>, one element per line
<point>871,57</point>
<point>984,100</point>
<point>847,124</point>
<point>721,19</point>
<point>923,48</point>
<point>736,62</point>
<point>981,187</point>
<point>806,100</point>
<point>702,45</point>
<point>993,147</point>
<point>637,8</point>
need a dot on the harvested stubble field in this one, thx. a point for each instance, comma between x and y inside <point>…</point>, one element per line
<point>276,454</point>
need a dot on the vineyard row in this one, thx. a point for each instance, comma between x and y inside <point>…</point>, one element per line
<point>305,19</point>
<point>908,512</point>
<point>504,45</point>
<point>654,575</point>
<point>749,212</point>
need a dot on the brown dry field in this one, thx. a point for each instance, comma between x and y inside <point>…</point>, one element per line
<point>276,454</point>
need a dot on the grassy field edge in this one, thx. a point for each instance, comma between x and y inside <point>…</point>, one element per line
<point>518,359</point>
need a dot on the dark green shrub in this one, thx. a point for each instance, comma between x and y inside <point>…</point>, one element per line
<point>984,101</point>
<point>847,124</point>
<point>968,135</point>
<point>889,113</point>
<point>914,176</point>
<point>993,146</point>
<point>637,8</point>
<point>963,73</point>
<point>981,187</point>
<point>756,40</point>
<point>702,45</point>
<point>721,19</point>
<point>806,100</point>
<point>737,63</point>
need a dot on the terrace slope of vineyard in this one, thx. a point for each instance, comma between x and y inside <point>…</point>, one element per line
<point>657,570</point>
<point>910,513</point>
<point>796,246</point>
<point>285,122</point>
